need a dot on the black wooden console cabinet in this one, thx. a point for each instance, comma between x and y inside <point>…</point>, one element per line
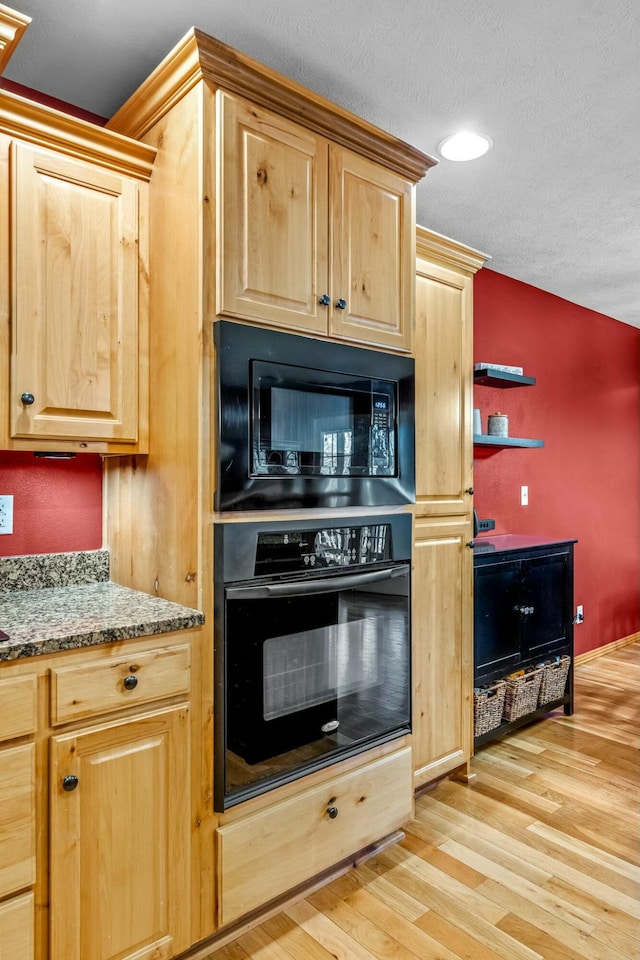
<point>523,613</point>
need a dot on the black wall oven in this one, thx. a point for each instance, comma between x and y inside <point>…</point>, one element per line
<point>310,423</point>
<point>312,649</point>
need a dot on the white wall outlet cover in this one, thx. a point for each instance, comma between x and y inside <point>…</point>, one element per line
<point>6,514</point>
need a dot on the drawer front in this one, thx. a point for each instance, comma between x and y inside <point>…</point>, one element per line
<point>17,707</point>
<point>16,928</point>
<point>17,818</point>
<point>268,853</point>
<point>112,683</point>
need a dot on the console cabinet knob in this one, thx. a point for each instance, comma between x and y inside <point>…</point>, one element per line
<point>28,399</point>
<point>69,783</point>
<point>333,812</point>
<point>130,682</point>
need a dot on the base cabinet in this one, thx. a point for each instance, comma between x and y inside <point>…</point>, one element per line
<point>442,631</point>
<point>120,838</point>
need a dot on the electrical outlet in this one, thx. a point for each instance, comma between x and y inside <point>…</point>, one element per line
<point>579,614</point>
<point>524,496</point>
<point>6,514</point>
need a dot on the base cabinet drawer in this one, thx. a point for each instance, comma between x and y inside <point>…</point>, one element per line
<point>111,683</point>
<point>16,928</point>
<point>263,855</point>
<point>17,818</point>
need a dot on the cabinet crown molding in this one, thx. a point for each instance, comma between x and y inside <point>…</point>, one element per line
<point>430,244</point>
<point>12,28</point>
<point>43,126</point>
<point>199,57</point>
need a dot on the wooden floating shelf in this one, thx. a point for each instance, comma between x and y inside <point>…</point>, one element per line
<point>483,440</point>
<point>500,378</point>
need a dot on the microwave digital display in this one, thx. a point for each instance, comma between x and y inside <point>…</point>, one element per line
<point>310,423</point>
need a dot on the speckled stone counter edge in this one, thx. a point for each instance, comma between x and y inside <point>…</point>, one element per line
<point>55,602</point>
<point>39,571</point>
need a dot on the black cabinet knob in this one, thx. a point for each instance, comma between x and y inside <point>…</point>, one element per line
<point>28,399</point>
<point>130,682</point>
<point>341,304</point>
<point>69,783</point>
<point>471,544</point>
<point>325,300</point>
<point>469,490</point>
<point>333,812</point>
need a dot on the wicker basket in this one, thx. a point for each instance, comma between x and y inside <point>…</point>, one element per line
<point>521,695</point>
<point>488,704</point>
<point>554,680</point>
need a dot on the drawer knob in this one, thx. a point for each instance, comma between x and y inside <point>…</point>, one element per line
<point>333,812</point>
<point>324,300</point>
<point>28,399</point>
<point>341,304</point>
<point>69,783</point>
<point>130,682</point>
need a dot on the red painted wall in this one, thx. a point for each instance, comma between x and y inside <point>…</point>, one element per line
<point>57,504</point>
<point>585,482</point>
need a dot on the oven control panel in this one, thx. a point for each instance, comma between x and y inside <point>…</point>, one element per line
<point>280,552</point>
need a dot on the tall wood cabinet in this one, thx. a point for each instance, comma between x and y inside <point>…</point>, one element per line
<point>265,200</point>
<point>443,556</point>
<point>73,301</point>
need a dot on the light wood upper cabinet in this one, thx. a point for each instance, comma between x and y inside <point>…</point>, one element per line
<point>371,252</point>
<point>314,237</point>
<point>74,371</point>
<point>442,622</point>
<point>122,832</point>
<point>444,374</point>
<point>273,218</point>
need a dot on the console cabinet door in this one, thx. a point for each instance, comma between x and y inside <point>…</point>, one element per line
<point>372,252</point>
<point>74,371</point>
<point>120,837</point>
<point>273,227</point>
<point>442,623</point>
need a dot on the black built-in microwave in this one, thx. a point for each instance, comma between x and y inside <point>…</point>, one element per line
<point>310,423</point>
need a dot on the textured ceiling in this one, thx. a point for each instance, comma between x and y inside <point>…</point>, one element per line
<point>556,85</point>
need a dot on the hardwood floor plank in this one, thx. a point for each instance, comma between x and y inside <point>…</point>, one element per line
<point>462,943</point>
<point>539,940</point>
<point>327,933</point>
<point>296,941</point>
<point>405,932</point>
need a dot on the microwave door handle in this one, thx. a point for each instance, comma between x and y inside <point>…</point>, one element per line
<point>307,587</point>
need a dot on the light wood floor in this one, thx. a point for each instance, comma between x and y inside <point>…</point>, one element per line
<point>538,860</point>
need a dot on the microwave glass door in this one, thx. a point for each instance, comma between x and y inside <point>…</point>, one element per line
<point>314,423</point>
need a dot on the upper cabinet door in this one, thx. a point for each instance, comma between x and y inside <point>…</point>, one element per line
<point>443,345</point>
<point>74,368</point>
<point>272,218</point>
<point>372,252</point>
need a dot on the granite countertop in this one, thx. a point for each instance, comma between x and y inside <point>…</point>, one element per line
<point>65,601</point>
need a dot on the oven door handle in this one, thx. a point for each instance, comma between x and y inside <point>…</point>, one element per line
<point>308,587</point>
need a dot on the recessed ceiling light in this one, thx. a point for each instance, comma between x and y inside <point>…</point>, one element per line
<point>464,146</point>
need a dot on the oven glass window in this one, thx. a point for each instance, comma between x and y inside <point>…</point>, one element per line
<point>309,423</point>
<point>310,677</point>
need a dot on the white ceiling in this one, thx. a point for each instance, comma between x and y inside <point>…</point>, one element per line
<point>556,202</point>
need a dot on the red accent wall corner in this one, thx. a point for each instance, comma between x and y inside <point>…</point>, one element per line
<point>585,482</point>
